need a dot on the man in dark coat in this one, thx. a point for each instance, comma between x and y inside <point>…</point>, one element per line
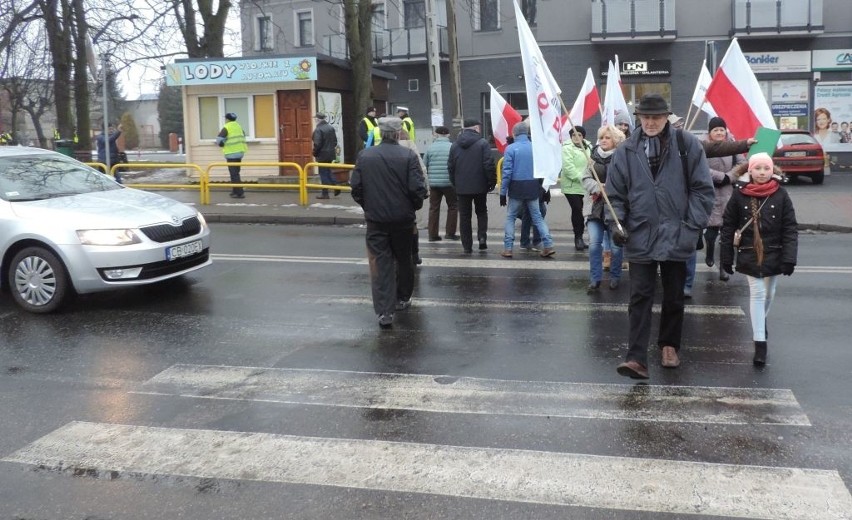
<point>473,174</point>
<point>662,208</point>
<point>387,182</point>
<point>325,151</point>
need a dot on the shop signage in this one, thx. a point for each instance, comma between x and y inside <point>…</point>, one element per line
<point>833,59</point>
<point>641,68</point>
<point>790,109</point>
<point>219,72</point>
<point>793,61</point>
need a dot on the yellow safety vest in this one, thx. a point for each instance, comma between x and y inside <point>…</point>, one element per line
<point>236,140</point>
<point>374,130</point>
<point>408,124</point>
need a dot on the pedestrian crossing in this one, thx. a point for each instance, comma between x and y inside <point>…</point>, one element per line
<point>567,479</point>
<point>659,484</point>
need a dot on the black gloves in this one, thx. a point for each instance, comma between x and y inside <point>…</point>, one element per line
<point>546,196</point>
<point>728,268</point>
<point>725,180</point>
<point>787,269</point>
<point>502,200</point>
<point>619,237</point>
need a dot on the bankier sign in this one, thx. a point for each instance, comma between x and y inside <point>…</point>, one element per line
<point>793,61</point>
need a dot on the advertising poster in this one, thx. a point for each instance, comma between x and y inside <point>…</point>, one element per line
<point>329,103</point>
<point>832,117</point>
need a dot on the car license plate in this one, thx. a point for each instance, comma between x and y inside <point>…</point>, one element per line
<point>795,154</point>
<point>182,250</point>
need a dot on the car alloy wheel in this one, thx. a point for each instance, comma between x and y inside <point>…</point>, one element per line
<point>38,280</point>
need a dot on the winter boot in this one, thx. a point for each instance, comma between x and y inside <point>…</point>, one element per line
<point>415,248</point>
<point>709,252</point>
<point>759,353</point>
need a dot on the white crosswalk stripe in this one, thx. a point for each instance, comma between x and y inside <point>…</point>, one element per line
<point>706,310</point>
<point>731,491</point>
<point>448,394</point>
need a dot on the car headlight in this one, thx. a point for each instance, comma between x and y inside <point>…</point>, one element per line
<point>108,237</point>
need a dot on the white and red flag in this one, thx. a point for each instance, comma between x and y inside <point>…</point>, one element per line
<point>614,102</point>
<point>503,119</point>
<point>736,95</point>
<point>544,105</point>
<point>588,101</point>
<point>699,97</point>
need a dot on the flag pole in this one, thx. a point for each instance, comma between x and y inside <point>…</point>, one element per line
<point>697,112</point>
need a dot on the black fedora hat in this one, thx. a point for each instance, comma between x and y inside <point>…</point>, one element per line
<point>652,104</point>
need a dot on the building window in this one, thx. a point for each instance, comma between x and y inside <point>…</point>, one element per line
<point>256,114</point>
<point>379,17</point>
<point>305,28</point>
<point>415,14</point>
<point>413,85</point>
<point>264,39</point>
<point>486,15</point>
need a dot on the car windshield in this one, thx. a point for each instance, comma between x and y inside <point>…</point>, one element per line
<point>794,139</point>
<point>37,177</point>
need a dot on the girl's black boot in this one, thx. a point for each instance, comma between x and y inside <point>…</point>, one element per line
<point>759,353</point>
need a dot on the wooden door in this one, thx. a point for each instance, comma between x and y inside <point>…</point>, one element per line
<point>295,128</point>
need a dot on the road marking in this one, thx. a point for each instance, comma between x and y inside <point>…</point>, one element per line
<point>703,310</point>
<point>566,479</point>
<point>470,262</point>
<point>449,394</point>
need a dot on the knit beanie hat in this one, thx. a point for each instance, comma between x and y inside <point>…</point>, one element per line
<point>716,122</point>
<point>760,158</point>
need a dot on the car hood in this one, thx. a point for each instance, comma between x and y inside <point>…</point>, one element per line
<point>125,207</point>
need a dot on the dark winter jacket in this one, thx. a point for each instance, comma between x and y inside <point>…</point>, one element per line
<point>387,182</point>
<point>663,215</point>
<point>600,162</point>
<point>325,142</point>
<point>471,166</point>
<point>778,231</point>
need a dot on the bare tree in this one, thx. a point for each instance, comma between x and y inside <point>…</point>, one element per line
<point>358,16</point>
<point>27,80</point>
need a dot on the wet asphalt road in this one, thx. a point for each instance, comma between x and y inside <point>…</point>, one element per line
<point>297,297</point>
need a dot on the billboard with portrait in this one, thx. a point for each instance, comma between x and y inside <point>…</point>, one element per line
<point>832,117</point>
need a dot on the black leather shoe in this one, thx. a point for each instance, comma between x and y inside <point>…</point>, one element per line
<point>434,239</point>
<point>482,244</point>
<point>452,237</point>
<point>724,276</point>
<point>593,287</point>
<point>579,245</point>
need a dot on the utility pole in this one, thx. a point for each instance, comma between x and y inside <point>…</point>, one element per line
<point>455,76</point>
<point>433,57</point>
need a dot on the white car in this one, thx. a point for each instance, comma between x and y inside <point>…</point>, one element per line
<point>66,228</point>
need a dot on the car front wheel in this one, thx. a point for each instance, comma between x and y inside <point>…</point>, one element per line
<point>38,280</point>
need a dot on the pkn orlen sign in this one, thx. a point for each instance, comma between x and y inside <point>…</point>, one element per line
<point>263,70</point>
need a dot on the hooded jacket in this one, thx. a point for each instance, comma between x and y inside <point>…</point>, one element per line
<point>662,215</point>
<point>471,166</point>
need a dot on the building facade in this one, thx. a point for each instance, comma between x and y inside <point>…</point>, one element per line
<point>800,50</point>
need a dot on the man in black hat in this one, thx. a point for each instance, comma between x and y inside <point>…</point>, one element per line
<point>368,128</point>
<point>388,183</point>
<point>661,206</point>
<point>473,174</point>
<point>325,151</point>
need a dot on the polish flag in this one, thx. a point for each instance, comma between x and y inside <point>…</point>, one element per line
<point>588,101</point>
<point>736,95</point>
<point>699,96</point>
<point>503,119</point>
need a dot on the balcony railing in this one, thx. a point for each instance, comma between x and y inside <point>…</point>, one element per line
<point>777,17</point>
<point>633,19</point>
<point>390,45</point>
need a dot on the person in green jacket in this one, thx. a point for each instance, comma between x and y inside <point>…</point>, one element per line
<point>575,159</point>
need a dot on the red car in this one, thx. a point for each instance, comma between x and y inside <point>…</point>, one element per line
<point>800,154</point>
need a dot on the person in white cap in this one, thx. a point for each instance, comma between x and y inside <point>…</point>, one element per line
<point>407,122</point>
